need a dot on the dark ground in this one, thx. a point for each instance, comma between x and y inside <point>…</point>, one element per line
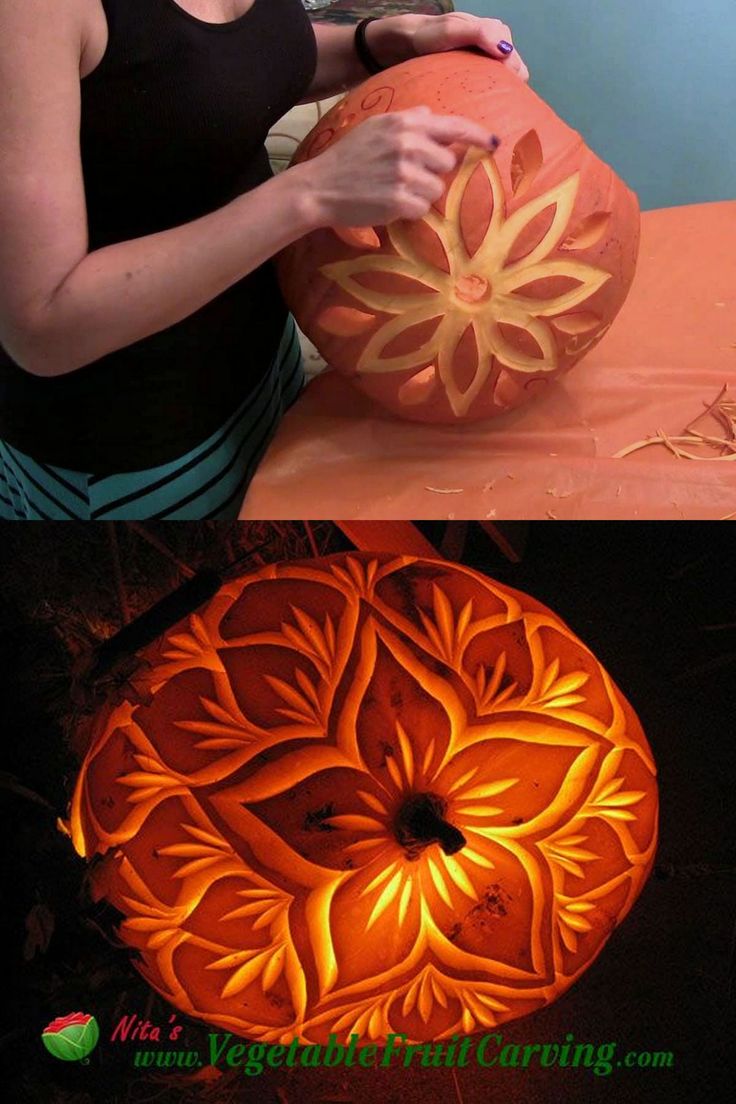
<point>656,603</point>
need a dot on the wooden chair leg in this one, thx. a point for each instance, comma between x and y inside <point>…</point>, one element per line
<point>509,536</point>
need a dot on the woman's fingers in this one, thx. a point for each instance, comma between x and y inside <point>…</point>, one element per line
<point>497,39</point>
<point>455,30</point>
<point>492,36</point>
<point>425,185</point>
<point>447,129</point>
<point>504,50</point>
<point>435,157</point>
<point>515,62</point>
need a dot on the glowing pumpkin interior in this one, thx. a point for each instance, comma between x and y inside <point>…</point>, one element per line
<point>510,279</point>
<point>367,793</point>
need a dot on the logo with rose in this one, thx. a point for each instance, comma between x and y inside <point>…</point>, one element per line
<point>71,1038</point>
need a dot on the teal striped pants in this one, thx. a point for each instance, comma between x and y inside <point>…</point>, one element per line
<point>208,482</point>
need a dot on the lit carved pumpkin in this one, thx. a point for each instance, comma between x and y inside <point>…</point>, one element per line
<point>367,794</point>
<point>513,275</point>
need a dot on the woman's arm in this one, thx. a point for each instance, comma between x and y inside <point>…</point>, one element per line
<point>397,38</point>
<point>62,307</point>
<point>338,67</point>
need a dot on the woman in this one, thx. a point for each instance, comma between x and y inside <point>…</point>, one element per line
<point>146,355</point>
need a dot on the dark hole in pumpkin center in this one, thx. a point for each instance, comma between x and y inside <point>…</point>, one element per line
<point>421,821</point>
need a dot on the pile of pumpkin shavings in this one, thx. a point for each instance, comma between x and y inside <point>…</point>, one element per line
<point>711,446</point>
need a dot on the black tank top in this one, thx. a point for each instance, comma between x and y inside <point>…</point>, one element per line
<point>173,126</point>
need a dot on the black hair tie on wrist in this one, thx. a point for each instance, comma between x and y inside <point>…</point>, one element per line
<point>361,48</point>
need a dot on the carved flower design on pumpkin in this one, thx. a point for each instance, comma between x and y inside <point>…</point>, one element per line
<point>424,823</point>
<point>482,291</point>
<point>425,826</point>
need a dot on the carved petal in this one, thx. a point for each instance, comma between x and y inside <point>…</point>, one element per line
<point>288,771</point>
<point>460,401</point>
<point>495,250</point>
<point>371,359</point>
<point>344,273</point>
<point>448,228</point>
<point>514,358</point>
<point>590,280</point>
<point>421,269</point>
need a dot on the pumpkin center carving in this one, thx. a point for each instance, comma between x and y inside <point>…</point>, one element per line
<point>472,288</point>
<point>421,821</point>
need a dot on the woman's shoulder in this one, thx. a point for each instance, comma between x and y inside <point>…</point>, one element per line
<point>43,28</point>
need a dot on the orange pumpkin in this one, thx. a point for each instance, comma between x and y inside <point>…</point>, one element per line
<point>514,274</point>
<point>367,793</point>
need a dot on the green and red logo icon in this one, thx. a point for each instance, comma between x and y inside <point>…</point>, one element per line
<point>71,1037</point>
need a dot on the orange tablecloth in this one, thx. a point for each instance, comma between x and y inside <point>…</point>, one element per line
<point>670,352</point>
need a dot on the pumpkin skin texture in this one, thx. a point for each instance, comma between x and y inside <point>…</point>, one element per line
<point>367,794</point>
<point>515,273</point>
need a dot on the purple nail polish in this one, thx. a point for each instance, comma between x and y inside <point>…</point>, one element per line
<point>505,47</point>
<point>494,142</point>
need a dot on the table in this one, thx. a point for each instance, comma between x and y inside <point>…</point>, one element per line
<point>669,354</point>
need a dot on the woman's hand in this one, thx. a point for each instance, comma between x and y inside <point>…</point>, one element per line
<point>398,38</point>
<point>451,32</point>
<point>389,167</point>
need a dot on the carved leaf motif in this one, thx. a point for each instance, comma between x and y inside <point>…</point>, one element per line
<point>479,1010</point>
<point>572,921</point>
<point>227,729</point>
<point>559,693</point>
<point>358,576</point>
<point>246,966</point>
<point>153,779</point>
<point>207,851</point>
<point>609,800</point>
<point>488,696</point>
<point>151,915</point>
<point>567,853</point>
<point>447,636</point>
